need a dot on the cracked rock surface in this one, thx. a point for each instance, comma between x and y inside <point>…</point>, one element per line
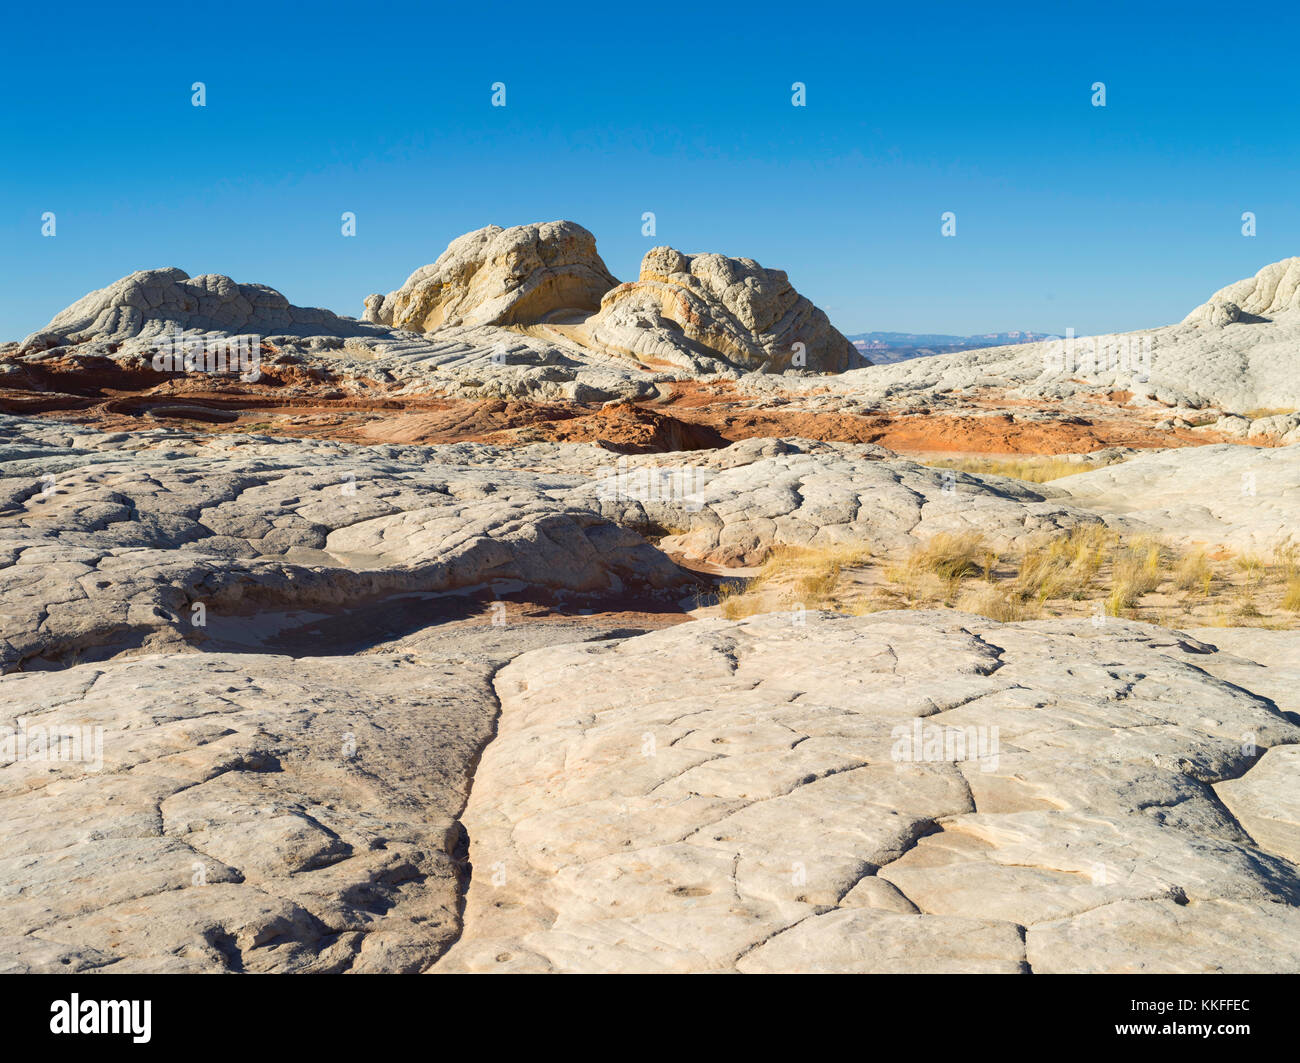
<point>731,506</point>
<point>496,276</point>
<point>1247,498</point>
<point>109,542</point>
<point>746,796</point>
<point>284,787</point>
<point>251,812</point>
<point>689,310</point>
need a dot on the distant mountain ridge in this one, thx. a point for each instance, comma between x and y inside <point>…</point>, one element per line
<point>929,339</point>
<point>883,348</point>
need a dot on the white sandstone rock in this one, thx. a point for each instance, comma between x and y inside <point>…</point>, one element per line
<point>496,276</point>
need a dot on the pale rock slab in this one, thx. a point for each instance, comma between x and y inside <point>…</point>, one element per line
<point>716,796</point>
<point>156,303</point>
<point>1168,937</point>
<point>1237,358</point>
<point>732,506</point>
<point>1242,497</point>
<point>250,812</point>
<point>1266,801</point>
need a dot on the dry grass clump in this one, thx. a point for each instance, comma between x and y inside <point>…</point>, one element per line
<point>1136,570</point>
<point>1266,411</point>
<point>1029,469</point>
<point>997,603</point>
<point>735,601</point>
<point>934,570</point>
<point>954,557</point>
<point>1088,571</point>
<point>1291,596</point>
<point>792,575</point>
<point>1194,573</point>
<point>1065,566</point>
<point>1252,568</point>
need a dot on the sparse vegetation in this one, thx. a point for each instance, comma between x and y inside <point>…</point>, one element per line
<point>1194,573</point>
<point>1291,596</point>
<point>1085,571</point>
<point>1266,411</point>
<point>997,603</point>
<point>1030,469</point>
<point>806,576</point>
<point>1066,565</point>
<point>953,557</point>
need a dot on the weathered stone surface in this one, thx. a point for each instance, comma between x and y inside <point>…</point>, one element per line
<point>1237,362</point>
<point>1169,937</point>
<point>715,797</point>
<point>1266,801</point>
<point>1275,289</point>
<point>688,310</point>
<point>232,827</point>
<point>496,276</point>
<point>849,941</point>
<point>251,811</point>
<point>1247,498</point>
<point>110,542</point>
<point>735,504</point>
<point>153,303</point>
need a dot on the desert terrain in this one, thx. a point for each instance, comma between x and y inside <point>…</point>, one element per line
<point>537,622</point>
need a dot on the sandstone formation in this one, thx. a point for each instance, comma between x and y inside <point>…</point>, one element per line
<point>110,542</point>
<point>732,506</point>
<point>153,304</point>
<point>736,796</point>
<point>1246,363</point>
<point>1274,290</point>
<point>509,314</point>
<point>688,309</point>
<point>496,276</point>
<point>1245,498</point>
<point>374,705</point>
<point>283,771</point>
<point>252,812</point>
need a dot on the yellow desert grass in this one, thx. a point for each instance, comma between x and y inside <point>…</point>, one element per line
<point>1194,573</point>
<point>1030,469</point>
<point>997,603</point>
<point>1066,565</point>
<point>953,557</point>
<point>806,575</point>
<point>1085,571</point>
<point>1136,571</point>
<point>1291,597</point>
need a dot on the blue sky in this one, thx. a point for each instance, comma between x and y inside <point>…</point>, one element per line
<point>1068,215</point>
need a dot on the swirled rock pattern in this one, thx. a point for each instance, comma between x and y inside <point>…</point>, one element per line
<point>496,276</point>
<point>1275,289</point>
<point>689,310</point>
<point>732,506</point>
<point>153,303</point>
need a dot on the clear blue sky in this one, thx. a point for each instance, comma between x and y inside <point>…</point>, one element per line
<point>1067,215</point>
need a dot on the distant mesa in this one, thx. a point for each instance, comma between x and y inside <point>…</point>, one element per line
<point>885,348</point>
